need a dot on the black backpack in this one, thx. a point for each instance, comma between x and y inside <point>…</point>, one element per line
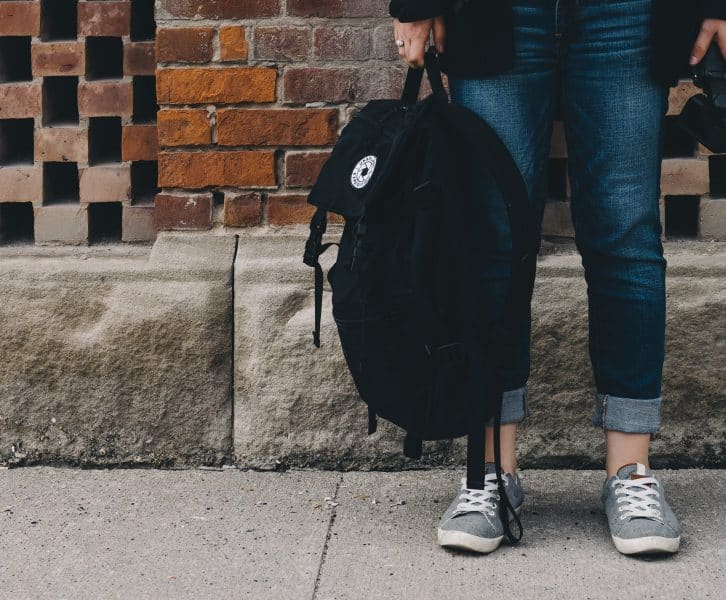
<point>436,248</point>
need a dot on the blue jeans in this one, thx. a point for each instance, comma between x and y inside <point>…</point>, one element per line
<point>595,53</point>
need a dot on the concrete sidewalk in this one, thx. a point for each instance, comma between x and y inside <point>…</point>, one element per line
<point>330,535</point>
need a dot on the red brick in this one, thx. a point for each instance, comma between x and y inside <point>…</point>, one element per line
<point>233,43</point>
<point>276,127</point>
<point>137,224</point>
<point>227,85</point>
<point>302,168</point>
<point>20,100</point>
<point>281,43</point>
<point>201,169</point>
<point>184,127</point>
<point>243,210</point>
<point>139,142</point>
<point>139,58</point>
<point>104,18</point>
<point>59,144</point>
<point>183,211</point>
<point>20,18</point>
<point>341,43</point>
<point>105,183</point>
<point>191,45</point>
<point>288,209</point>
<point>383,46</point>
<point>347,84</point>
<point>220,9</point>
<point>58,58</point>
<point>104,98</point>
<point>337,8</point>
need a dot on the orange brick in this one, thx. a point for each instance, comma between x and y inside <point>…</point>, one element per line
<point>276,127</point>
<point>184,45</point>
<point>230,85</point>
<point>243,210</point>
<point>58,58</point>
<point>201,169</point>
<point>184,127</point>
<point>139,142</point>
<point>20,18</point>
<point>233,43</point>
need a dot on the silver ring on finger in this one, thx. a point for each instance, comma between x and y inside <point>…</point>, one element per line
<point>399,43</point>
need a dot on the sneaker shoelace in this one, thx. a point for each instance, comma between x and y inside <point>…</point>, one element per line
<point>483,501</point>
<point>638,498</point>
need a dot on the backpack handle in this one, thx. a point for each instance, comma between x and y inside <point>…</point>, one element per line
<point>414,77</point>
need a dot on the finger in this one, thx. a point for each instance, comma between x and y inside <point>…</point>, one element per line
<point>439,34</point>
<point>721,38</point>
<point>703,41</point>
<point>397,36</point>
<point>415,53</point>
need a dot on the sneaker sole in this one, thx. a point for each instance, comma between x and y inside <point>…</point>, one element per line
<point>450,538</point>
<point>649,544</point>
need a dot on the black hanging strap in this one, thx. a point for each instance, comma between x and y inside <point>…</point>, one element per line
<point>313,249</point>
<point>475,446</point>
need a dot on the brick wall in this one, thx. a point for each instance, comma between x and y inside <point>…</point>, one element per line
<point>252,94</point>
<point>78,144</point>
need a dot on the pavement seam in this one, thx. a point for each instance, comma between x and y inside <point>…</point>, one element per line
<point>328,533</point>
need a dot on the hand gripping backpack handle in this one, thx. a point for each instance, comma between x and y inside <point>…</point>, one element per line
<point>412,86</point>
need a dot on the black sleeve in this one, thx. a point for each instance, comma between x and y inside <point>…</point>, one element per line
<point>714,9</point>
<point>417,10</point>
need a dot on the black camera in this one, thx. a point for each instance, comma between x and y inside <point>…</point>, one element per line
<point>704,115</point>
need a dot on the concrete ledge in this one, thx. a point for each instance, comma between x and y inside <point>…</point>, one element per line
<point>296,405</point>
<point>117,355</point>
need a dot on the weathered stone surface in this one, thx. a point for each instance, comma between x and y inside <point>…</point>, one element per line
<point>296,404</point>
<point>117,355</point>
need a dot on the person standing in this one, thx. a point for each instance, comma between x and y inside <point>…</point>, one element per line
<point>611,64</point>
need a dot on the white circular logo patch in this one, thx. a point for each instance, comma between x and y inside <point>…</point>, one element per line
<point>363,171</point>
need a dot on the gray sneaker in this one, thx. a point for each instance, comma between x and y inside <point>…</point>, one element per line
<point>639,517</point>
<point>472,521</point>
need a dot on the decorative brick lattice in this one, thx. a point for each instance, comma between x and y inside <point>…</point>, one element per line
<point>78,141</point>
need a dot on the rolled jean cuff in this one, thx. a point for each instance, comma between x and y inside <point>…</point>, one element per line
<point>629,415</point>
<point>514,406</point>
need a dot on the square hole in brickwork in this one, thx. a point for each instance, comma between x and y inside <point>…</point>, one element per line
<point>15,59</point>
<point>681,216</point>
<point>60,100</point>
<point>16,141</point>
<point>16,222</point>
<point>104,222</point>
<point>145,106</point>
<point>144,181</point>
<point>60,183</point>
<point>143,26</point>
<point>556,178</point>
<point>717,175</point>
<point>676,141</point>
<point>104,140</point>
<point>104,58</point>
<point>58,19</point>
